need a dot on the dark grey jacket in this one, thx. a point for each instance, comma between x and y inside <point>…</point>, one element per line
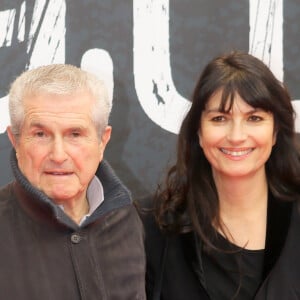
<point>174,265</point>
<point>45,255</point>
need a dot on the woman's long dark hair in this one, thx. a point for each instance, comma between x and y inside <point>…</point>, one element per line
<point>188,199</point>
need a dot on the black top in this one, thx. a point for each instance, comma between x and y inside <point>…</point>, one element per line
<point>236,274</point>
<point>175,261</point>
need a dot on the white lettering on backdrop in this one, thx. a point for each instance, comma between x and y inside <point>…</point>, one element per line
<point>154,85</point>
<point>152,72</point>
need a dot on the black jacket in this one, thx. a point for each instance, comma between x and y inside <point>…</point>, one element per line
<point>45,255</point>
<point>174,266</point>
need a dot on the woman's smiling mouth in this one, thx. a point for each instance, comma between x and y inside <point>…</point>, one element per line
<point>236,152</point>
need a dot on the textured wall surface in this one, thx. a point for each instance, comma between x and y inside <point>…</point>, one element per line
<point>150,53</point>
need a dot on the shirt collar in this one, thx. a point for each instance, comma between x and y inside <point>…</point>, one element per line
<point>95,197</point>
<point>95,194</point>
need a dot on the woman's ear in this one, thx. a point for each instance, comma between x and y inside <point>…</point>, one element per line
<point>274,138</point>
<point>199,137</point>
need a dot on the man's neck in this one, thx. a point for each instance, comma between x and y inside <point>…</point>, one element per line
<point>76,211</point>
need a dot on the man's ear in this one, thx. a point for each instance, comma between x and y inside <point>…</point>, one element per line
<point>11,136</point>
<point>106,136</point>
<point>104,140</point>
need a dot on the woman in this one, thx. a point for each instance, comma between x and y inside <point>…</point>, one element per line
<point>226,222</point>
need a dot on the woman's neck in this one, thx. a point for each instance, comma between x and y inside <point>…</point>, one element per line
<point>243,209</point>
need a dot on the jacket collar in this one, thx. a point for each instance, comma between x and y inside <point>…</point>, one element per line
<point>41,207</point>
<point>278,223</point>
<point>275,238</point>
<point>192,245</point>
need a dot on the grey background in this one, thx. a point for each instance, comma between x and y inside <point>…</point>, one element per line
<point>139,150</point>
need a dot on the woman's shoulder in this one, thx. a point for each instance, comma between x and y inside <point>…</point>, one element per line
<point>154,236</point>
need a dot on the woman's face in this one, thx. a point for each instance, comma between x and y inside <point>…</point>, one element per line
<point>239,142</point>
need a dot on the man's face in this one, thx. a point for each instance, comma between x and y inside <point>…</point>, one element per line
<point>58,149</point>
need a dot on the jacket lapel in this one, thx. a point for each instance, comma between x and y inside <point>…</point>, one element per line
<point>278,222</point>
<point>191,246</point>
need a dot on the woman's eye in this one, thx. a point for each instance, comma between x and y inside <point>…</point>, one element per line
<point>218,119</point>
<point>255,118</point>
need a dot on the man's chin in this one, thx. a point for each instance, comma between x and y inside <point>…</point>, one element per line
<point>60,198</point>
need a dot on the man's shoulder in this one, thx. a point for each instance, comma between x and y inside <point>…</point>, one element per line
<point>6,192</point>
<point>7,202</point>
<point>145,203</point>
<point>125,216</point>
<point>145,208</point>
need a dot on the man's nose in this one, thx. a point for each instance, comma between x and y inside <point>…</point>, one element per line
<point>58,153</point>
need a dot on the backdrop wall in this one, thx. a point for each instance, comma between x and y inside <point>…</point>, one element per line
<point>150,53</point>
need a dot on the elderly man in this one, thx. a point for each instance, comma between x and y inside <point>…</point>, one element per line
<point>66,233</point>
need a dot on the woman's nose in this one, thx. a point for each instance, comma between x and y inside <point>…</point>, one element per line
<point>236,132</point>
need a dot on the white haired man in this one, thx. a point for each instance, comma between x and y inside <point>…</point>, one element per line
<point>67,224</point>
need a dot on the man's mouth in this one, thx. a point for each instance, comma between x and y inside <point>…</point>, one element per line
<point>58,173</point>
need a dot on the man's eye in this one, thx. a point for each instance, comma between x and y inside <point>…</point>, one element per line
<point>75,134</point>
<point>39,134</point>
